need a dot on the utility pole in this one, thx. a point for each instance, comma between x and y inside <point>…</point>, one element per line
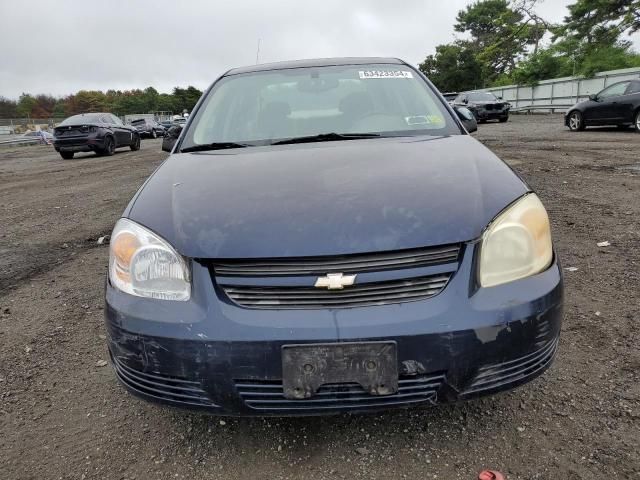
<point>258,51</point>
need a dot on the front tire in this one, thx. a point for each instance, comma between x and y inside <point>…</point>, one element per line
<point>135,145</point>
<point>154,134</point>
<point>576,121</point>
<point>504,119</point>
<point>636,121</point>
<point>109,147</point>
<point>67,155</point>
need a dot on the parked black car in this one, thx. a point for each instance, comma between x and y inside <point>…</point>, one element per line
<point>148,128</point>
<point>101,133</point>
<point>326,237</point>
<point>618,104</point>
<point>484,105</point>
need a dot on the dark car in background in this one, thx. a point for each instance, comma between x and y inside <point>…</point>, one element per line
<point>326,237</point>
<point>484,105</point>
<point>450,97</point>
<point>148,128</point>
<point>101,133</point>
<point>618,104</point>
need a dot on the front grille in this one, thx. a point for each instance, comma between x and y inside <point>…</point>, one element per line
<point>164,388</point>
<point>359,295</point>
<point>500,375</point>
<point>357,263</point>
<point>268,397</point>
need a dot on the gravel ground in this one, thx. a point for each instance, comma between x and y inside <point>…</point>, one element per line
<point>62,414</point>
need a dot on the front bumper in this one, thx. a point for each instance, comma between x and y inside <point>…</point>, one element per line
<point>209,354</point>
<point>482,114</point>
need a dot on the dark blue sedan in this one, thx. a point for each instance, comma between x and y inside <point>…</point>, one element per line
<point>327,237</point>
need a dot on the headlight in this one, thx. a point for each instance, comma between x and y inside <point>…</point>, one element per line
<point>145,265</point>
<point>516,244</point>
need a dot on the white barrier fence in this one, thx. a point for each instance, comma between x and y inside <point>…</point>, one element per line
<point>560,93</point>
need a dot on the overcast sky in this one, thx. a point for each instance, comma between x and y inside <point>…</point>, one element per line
<point>62,46</point>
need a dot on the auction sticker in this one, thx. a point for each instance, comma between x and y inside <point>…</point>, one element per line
<point>385,74</point>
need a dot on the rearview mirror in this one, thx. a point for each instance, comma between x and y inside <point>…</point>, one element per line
<point>467,118</point>
<point>171,137</point>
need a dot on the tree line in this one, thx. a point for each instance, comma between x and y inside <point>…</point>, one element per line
<point>506,42</point>
<point>114,101</point>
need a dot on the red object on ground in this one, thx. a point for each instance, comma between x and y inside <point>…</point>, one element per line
<point>490,475</point>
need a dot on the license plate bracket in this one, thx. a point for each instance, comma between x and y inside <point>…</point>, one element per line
<point>372,365</point>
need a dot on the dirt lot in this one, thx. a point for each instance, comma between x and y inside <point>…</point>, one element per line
<point>63,416</point>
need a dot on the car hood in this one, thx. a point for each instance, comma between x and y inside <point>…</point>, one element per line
<point>327,198</point>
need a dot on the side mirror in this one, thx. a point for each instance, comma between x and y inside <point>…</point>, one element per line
<point>593,97</point>
<point>171,137</point>
<point>499,98</point>
<point>465,101</point>
<point>467,118</point>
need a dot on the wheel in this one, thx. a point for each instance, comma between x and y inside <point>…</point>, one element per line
<point>154,134</point>
<point>576,123</point>
<point>636,121</point>
<point>66,155</point>
<point>135,145</point>
<point>109,147</point>
<point>504,119</point>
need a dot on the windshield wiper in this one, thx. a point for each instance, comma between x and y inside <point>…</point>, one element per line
<point>326,137</point>
<point>213,146</point>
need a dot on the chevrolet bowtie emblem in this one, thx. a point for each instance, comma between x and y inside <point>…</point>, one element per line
<point>335,281</point>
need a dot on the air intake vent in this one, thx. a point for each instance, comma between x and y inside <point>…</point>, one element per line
<point>500,375</point>
<point>359,295</point>
<point>168,389</point>
<point>358,263</point>
<point>268,397</point>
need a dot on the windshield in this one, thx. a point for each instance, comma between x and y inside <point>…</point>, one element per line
<point>482,97</point>
<point>83,118</point>
<point>259,108</point>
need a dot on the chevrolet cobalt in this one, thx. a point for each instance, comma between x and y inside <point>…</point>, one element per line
<point>327,237</point>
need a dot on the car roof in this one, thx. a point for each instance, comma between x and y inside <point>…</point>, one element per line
<point>314,62</point>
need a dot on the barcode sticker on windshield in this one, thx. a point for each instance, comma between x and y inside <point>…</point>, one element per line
<point>384,74</point>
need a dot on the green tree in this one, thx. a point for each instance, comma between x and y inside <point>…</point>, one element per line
<point>59,109</point>
<point>25,104</point>
<point>185,98</point>
<point>544,64</point>
<point>453,68</point>
<point>593,35</point>
<point>501,33</point>
<point>150,99</point>
<point>86,101</point>
<point>8,108</point>
<point>595,20</point>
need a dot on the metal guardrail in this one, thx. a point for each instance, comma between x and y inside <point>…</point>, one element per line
<point>551,108</point>
<point>561,91</point>
<point>19,141</point>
